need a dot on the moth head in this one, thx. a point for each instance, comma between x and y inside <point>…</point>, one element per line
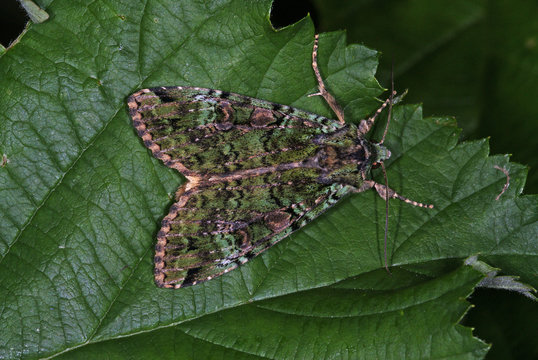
<point>380,153</point>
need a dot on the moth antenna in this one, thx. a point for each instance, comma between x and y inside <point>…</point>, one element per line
<point>391,99</point>
<point>386,216</point>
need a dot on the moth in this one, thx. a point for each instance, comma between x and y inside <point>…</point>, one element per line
<point>256,171</point>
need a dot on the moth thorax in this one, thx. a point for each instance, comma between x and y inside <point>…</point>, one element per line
<point>332,157</point>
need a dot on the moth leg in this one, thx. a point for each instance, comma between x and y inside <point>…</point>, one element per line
<point>382,190</point>
<point>366,124</point>
<point>321,86</point>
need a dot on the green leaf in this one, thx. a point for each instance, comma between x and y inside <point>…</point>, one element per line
<point>81,199</point>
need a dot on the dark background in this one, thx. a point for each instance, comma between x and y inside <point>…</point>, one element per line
<point>475,60</point>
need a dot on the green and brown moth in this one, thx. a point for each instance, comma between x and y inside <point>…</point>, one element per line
<point>256,171</point>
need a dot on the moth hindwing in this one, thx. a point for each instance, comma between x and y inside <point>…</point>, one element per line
<point>256,172</point>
